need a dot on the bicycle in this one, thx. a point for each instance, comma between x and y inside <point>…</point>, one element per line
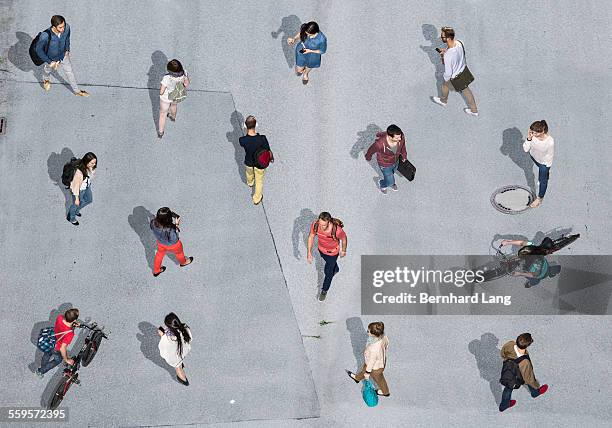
<point>86,354</point>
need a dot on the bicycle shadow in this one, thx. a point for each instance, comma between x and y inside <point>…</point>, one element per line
<point>149,340</point>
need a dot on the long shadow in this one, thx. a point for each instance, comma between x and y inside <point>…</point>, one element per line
<point>488,361</point>
<point>55,167</point>
<point>365,139</point>
<point>139,221</point>
<point>159,61</point>
<point>512,146</point>
<point>233,136</point>
<point>18,54</point>
<point>289,27</point>
<point>149,339</point>
<point>431,34</point>
<point>299,238</point>
<point>359,339</point>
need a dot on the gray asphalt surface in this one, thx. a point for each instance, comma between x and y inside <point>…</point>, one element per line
<point>539,62</point>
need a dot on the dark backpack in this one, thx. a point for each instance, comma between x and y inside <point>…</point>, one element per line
<point>511,376</point>
<point>69,170</point>
<point>33,55</point>
<point>262,158</point>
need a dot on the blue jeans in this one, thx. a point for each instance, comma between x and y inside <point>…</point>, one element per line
<point>388,175</point>
<point>49,360</point>
<point>85,198</point>
<point>331,268</point>
<point>507,395</point>
<point>543,173</point>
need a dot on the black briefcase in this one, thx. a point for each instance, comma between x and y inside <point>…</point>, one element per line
<point>406,169</point>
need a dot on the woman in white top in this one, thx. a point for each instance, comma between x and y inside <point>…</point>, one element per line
<point>175,74</point>
<point>175,344</point>
<point>375,355</point>
<point>80,186</point>
<point>541,148</point>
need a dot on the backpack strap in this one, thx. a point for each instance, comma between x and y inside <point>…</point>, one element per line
<point>333,232</point>
<point>463,47</point>
<point>48,31</point>
<point>521,358</point>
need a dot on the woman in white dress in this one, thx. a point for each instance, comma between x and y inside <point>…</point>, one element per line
<point>175,344</point>
<point>167,102</point>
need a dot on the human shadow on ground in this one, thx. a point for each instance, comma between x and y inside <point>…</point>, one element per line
<point>289,27</point>
<point>233,136</point>
<point>299,237</point>
<point>55,168</point>
<point>139,221</point>
<point>149,340</point>
<point>432,35</point>
<point>359,340</point>
<point>39,326</point>
<point>512,146</point>
<point>365,139</point>
<point>159,61</point>
<point>19,55</point>
<point>488,361</point>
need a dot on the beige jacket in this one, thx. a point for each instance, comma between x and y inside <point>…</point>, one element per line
<point>376,354</point>
<point>508,353</point>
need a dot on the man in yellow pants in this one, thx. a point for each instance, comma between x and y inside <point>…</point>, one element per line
<point>253,143</point>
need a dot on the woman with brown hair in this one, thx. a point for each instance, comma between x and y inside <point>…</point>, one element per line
<point>313,44</point>
<point>166,230</point>
<point>80,186</point>
<point>172,90</point>
<point>375,355</point>
<point>541,148</point>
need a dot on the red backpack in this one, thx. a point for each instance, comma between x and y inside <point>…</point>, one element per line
<point>262,158</point>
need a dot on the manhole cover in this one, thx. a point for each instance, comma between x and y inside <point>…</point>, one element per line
<point>513,199</point>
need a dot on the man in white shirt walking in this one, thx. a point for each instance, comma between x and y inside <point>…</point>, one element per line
<point>453,58</point>
<point>541,148</point>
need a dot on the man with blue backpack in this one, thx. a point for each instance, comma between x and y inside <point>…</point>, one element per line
<point>54,342</point>
<point>52,48</point>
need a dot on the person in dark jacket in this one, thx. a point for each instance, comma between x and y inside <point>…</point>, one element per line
<point>166,230</point>
<point>252,142</point>
<point>388,147</point>
<point>56,53</point>
<point>513,350</point>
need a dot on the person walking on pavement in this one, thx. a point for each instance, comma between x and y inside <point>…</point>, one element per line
<point>313,44</point>
<point>375,358</point>
<point>330,235</point>
<point>541,148</point>
<point>64,333</point>
<point>80,186</point>
<point>253,143</point>
<point>175,344</point>
<point>388,147</point>
<point>518,370</point>
<point>172,90</point>
<point>165,227</point>
<point>453,57</point>
<point>53,48</point>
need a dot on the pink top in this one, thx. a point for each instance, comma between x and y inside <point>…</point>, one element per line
<point>327,244</point>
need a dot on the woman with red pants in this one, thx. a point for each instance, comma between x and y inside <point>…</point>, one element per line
<point>165,228</point>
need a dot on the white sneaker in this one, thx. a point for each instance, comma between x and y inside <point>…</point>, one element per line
<point>438,101</point>
<point>470,112</point>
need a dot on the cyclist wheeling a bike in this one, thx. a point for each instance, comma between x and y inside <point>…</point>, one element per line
<point>63,333</point>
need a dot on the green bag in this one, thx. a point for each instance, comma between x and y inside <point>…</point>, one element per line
<point>179,93</point>
<point>463,79</point>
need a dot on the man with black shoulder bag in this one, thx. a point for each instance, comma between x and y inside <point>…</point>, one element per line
<point>456,72</point>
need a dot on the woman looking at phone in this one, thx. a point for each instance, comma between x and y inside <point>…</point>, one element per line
<point>312,44</point>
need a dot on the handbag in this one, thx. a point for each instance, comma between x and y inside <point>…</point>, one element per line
<point>406,168</point>
<point>463,79</point>
<point>370,397</point>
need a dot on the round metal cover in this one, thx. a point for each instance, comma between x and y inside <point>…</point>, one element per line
<point>513,199</point>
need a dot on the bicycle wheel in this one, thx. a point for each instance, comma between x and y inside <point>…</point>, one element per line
<point>60,392</point>
<point>564,241</point>
<point>92,348</point>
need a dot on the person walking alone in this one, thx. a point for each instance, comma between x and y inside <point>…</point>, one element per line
<point>165,227</point>
<point>175,344</point>
<point>388,147</point>
<point>375,355</point>
<point>253,143</point>
<point>541,148</point>
<point>453,57</point>
<point>80,186</point>
<point>330,235</point>
<point>172,90</point>
<point>53,48</point>
<point>313,44</point>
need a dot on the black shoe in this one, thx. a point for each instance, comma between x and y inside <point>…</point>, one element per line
<point>78,215</point>
<point>74,223</point>
<point>163,269</point>
<point>190,259</point>
<point>184,382</point>
<point>322,295</point>
<point>382,395</point>
<point>350,374</point>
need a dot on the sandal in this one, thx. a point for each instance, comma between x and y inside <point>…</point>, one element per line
<point>173,119</point>
<point>190,260</point>
<point>381,395</point>
<point>305,81</point>
<point>160,134</point>
<point>163,269</point>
